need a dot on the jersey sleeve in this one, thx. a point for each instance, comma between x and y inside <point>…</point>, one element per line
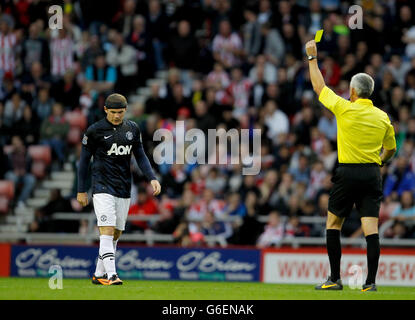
<point>389,141</point>
<point>88,149</point>
<point>88,140</point>
<point>332,101</point>
<point>140,156</point>
<point>137,139</point>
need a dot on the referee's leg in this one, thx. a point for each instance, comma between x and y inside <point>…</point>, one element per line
<point>334,224</point>
<point>370,230</point>
<point>368,206</point>
<point>333,227</point>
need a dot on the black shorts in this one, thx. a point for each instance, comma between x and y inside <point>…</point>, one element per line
<point>356,184</point>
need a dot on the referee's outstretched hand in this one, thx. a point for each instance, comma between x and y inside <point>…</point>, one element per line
<point>156,187</point>
<point>311,48</point>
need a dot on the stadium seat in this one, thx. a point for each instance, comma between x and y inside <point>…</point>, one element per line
<point>39,169</point>
<point>42,157</point>
<point>4,205</point>
<point>74,136</point>
<point>7,189</point>
<point>40,153</point>
<point>6,195</point>
<point>78,122</point>
<point>76,119</point>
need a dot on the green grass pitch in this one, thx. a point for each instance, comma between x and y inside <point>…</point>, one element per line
<point>83,289</point>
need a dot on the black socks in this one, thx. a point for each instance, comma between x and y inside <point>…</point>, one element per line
<point>334,251</point>
<point>373,253</point>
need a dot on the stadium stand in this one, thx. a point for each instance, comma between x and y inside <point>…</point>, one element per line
<point>213,64</point>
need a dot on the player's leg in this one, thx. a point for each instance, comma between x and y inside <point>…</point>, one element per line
<point>117,235</point>
<point>104,207</point>
<point>107,252</point>
<point>114,279</point>
<point>121,212</point>
<point>99,277</point>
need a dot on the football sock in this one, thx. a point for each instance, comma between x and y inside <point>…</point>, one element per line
<point>100,270</point>
<point>334,251</point>
<point>373,253</point>
<point>106,251</point>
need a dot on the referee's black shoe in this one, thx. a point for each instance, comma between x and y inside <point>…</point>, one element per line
<point>369,287</point>
<point>330,285</point>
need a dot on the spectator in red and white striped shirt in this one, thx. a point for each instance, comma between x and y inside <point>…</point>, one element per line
<point>62,52</point>
<point>273,233</point>
<point>227,46</point>
<point>237,94</point>
<point>7,48</point>
<point>218,78</point>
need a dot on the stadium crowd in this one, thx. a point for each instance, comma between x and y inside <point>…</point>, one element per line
<point>230,64</point>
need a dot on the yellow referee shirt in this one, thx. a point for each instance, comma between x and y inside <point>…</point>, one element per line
<point>362,129</point>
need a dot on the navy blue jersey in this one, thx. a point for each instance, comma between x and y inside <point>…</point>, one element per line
<point>111,147</point>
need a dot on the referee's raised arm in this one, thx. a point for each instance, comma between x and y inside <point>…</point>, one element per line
<point>316,77</point>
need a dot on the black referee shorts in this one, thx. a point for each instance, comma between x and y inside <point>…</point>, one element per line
<point>359,184</point>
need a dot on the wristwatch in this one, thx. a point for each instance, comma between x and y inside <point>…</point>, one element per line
<point>310,57</point>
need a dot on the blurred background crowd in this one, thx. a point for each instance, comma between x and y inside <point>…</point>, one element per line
<point>225,64</point>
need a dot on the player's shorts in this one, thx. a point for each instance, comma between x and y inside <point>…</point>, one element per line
<point>356,184</point>
<point>111,211</point>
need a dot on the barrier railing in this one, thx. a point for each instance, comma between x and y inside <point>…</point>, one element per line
<point>150,237</point>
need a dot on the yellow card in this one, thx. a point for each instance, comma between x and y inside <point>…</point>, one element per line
<point>318,36</point>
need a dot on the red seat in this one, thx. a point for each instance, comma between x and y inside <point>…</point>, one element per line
<point>76,119</point>
<point>6,195</point>
<point>74,136</point>
<point>4,205</point>
<point>39,169</point>
<point>7,189</point>
<point>42,157</point>
<point>40,153</point>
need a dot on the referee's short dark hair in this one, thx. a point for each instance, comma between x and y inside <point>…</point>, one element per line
<point>363,85</point>
<point>116,101</point>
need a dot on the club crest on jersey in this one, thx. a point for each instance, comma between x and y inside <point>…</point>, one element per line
<point>119,150</point>
<point>129,135</point>
<point>85,140</point>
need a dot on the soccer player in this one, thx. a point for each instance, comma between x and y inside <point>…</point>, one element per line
<point>363,130</point>
<point>110,142</point>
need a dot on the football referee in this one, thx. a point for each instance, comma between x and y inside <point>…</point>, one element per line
<point>363,130</point>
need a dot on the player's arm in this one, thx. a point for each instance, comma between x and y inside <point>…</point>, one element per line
<point>85,158</point>
<point>316,77</point>
<point>145,166</point>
